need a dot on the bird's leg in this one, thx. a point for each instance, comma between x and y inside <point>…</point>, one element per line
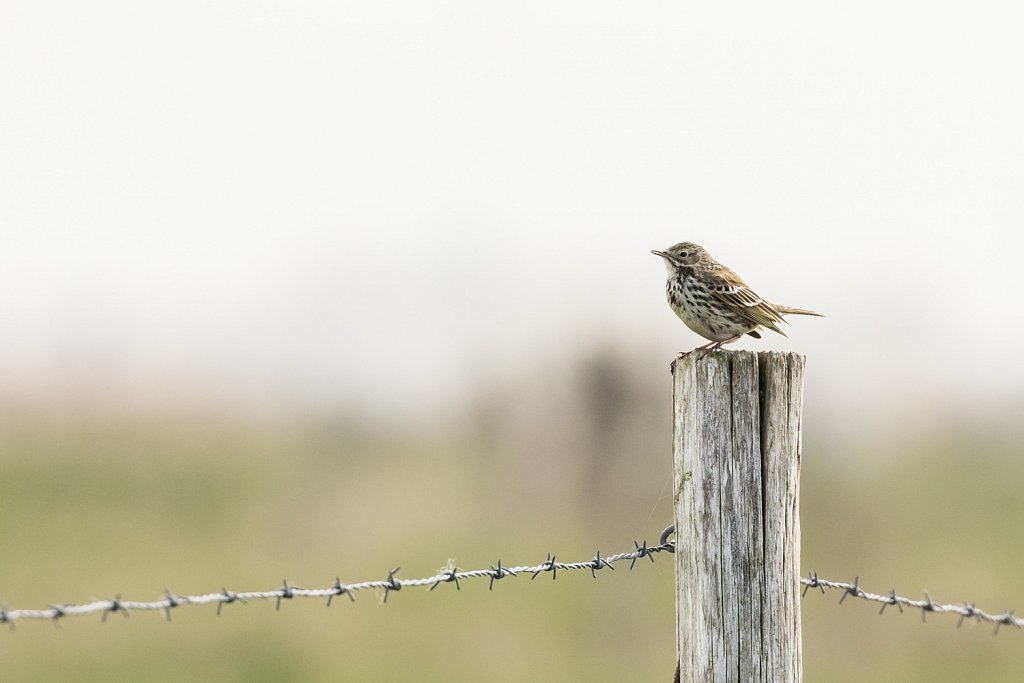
<point>717,345</point>
<point>684,354</point>
<point>710,346</point>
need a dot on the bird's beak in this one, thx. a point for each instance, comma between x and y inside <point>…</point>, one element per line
<point>659,253</point>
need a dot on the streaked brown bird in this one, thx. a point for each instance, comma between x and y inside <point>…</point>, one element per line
<point>715,302</point>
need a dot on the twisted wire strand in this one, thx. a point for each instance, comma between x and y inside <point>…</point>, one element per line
<point>967,610</point>
<point>451,574</point>
<point>390,584</point>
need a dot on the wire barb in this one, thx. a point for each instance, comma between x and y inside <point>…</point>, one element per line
<point>338,589</point>
<point>641,551</point>
<point>390,584</point>
<point>498,573</point>
<point>853,590</point>
<point>228,598</point>
<point>172,602</point>
<point>1006,619</point>
<point>114,605</point>
<point>286,594</point>
<point>892,601</point>
<point>811,583</point>
<point>928,606</point>
<point>451,575</point>
<point>598,563</point>
<point>548,566</point>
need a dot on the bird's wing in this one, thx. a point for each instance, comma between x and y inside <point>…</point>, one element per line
<point>727,287</point>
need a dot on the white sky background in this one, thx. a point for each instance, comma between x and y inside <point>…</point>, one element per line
<point>362,205</point>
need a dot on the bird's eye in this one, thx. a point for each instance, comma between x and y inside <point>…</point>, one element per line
<point>683,254</point>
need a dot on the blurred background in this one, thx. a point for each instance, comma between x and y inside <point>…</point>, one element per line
<point>315,289</point>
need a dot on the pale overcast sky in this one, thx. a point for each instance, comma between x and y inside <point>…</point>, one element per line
<point>315,203</point>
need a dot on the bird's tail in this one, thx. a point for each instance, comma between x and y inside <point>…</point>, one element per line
<point>786,310</point>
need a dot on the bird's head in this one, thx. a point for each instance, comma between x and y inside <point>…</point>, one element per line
<point>681,255</point>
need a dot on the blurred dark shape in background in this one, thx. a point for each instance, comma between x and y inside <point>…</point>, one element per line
<point>591,436</point>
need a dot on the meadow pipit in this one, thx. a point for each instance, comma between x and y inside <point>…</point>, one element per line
<point>713,301</point>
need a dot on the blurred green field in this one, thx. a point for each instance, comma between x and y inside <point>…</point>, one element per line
<point>91,508</point>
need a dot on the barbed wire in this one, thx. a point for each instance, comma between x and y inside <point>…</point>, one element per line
<point>451,574</point>
<point>392,583</point>
<point>967,610</point>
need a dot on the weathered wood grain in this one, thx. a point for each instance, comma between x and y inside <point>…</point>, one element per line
<point>736,452</point>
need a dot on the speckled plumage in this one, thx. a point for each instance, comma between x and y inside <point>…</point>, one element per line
<point>714,301</point>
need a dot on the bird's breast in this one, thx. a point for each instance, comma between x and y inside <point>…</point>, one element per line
<point>696,307</point>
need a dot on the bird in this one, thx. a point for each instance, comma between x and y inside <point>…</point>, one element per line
<point>714,301</point>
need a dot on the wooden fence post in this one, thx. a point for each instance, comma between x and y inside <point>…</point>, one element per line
<point>736,464</point>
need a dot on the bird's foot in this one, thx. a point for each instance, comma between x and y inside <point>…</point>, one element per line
<point>709,347</point>
<point>683,354</point>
